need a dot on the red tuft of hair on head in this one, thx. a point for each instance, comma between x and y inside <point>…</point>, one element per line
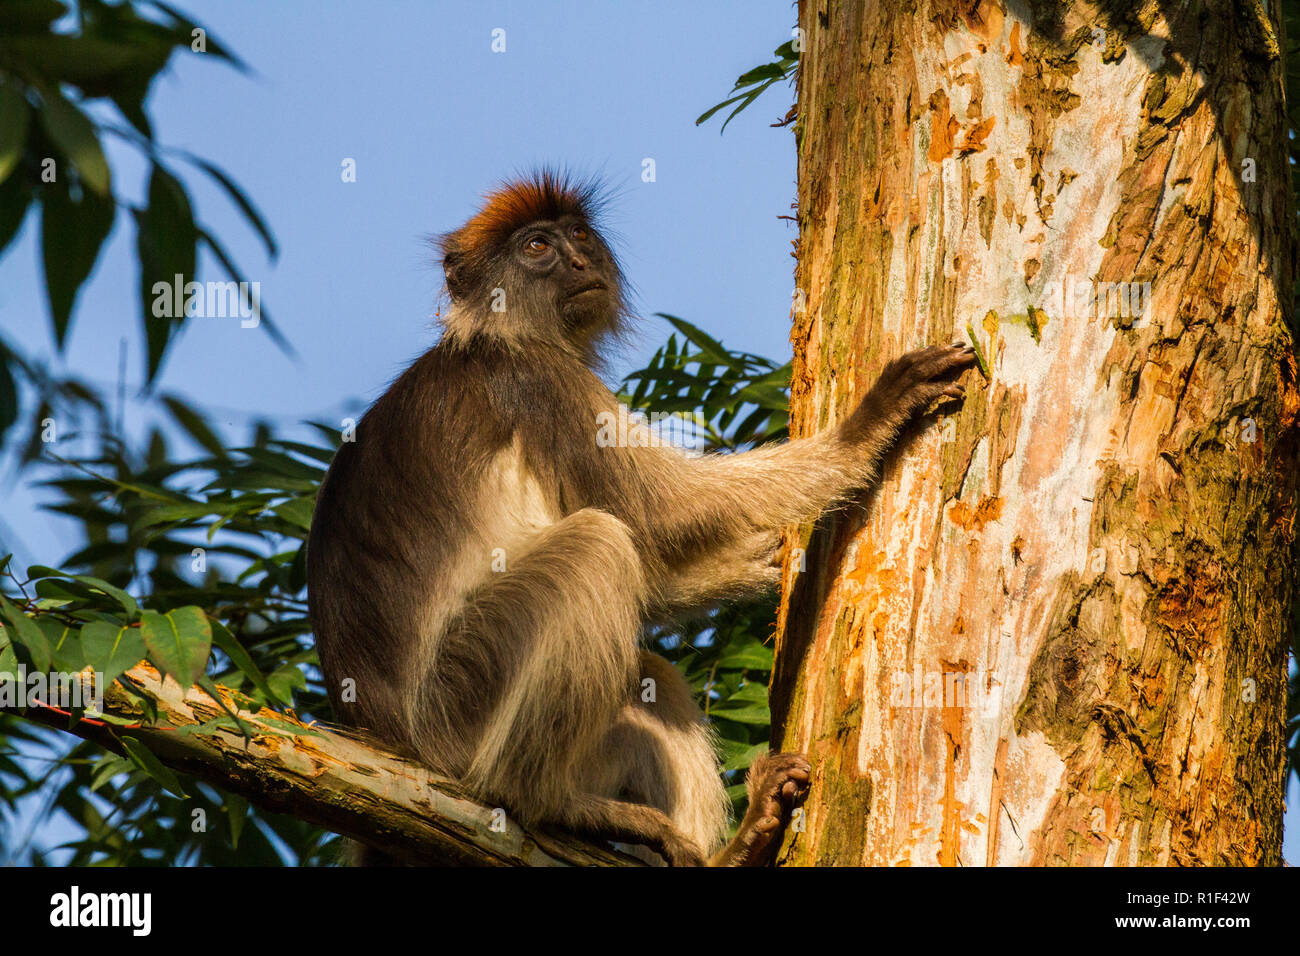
<point>544,194</point>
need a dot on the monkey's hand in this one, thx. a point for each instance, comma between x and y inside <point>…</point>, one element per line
<point>777,784</point>
<point>905,388</point>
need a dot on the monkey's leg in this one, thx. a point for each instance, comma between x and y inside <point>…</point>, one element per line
<point>566,618</point>
<point>621,821</point>
<point>661,753</point>
<point>563,621</point>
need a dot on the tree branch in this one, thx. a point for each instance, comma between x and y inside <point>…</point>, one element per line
<point>322,776</point>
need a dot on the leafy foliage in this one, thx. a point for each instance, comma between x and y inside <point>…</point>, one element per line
<point>66,71</point>
<point>697,378</point>
<point>752,84</point>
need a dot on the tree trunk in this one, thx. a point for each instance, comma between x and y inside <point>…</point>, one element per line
<point>1057,634</point>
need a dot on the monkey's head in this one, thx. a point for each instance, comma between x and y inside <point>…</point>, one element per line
<point>531,266</point>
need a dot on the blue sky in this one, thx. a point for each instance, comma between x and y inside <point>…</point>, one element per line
<point>414,94</point>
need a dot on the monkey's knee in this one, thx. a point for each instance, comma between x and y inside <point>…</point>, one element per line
<point>605,542</point>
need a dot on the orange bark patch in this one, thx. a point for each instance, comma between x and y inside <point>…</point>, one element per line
<point>985,21</point>
<point>943,128</point>
<point>1016,55</point>
<point>1189,608</point>
<point>950,831</point>
<point>973,139</point>
<point>974,519</point>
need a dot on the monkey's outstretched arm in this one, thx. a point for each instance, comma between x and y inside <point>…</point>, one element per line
<point>709,501</point>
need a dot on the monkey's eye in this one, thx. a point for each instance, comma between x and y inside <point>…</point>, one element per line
<point>536,246</point>
<point>579,233</point>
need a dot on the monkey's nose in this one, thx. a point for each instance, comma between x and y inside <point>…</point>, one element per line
<point>578,262</point>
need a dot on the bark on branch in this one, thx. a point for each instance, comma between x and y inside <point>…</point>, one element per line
<point>322,776</point>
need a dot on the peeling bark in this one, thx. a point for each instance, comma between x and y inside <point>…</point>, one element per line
<point>323,777</point>
<point>1056,635</point>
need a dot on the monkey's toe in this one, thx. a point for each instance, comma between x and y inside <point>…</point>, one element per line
<point>779,782</point>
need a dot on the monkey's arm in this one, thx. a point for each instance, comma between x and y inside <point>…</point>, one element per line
<point>717,499</point>
<point>748,567</point>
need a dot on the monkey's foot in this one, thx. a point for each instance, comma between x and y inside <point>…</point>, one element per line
<point>679,851</point>
<point>777,784</point>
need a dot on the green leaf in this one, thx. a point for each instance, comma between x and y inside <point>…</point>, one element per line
<point>753,691</point>
<point>166,243</point>
<point>99,65</point>
<point>74,135</point>
<point>108,768</point>
<point>748,705</point>
<point>65,645</point>
<point>23,16</point>
<point>15,114</point>
<point>195,425</point>
<point>224,722</point>
<point>72,234</point>
<point>285,680</point>
<point>768,71</point>
<point>700,339</point>
<point>112,650</point>
<point>184,28</point>
<point>756,714</point>
<point>237,808</point>
<point>297,511</point>
<point>179,642</point>
<point>750,655</point>
<point>298,570</point>
<point>144,758</point>
<point>15,197</point>
<point>740,756</point>
<point>124,600</point>
<point>242,201</point>
<point>239,656</point>
<point>166,514</point>
<point>23,631</point>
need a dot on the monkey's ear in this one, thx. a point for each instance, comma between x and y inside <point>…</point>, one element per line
<point>454,268</point>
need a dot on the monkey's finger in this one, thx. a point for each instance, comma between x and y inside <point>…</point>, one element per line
<point>955,391</point>
<point>907,363</point>
<point>951,361</point>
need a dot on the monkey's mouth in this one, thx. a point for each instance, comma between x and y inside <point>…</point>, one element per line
<point>584,289</point>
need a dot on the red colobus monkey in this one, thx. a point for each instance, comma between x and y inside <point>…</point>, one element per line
<point>481,566</point>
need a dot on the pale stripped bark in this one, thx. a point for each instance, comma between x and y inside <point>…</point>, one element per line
<point>1101,541</point>
<point>321,776</point>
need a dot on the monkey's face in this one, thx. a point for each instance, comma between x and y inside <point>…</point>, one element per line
<point>565,263</point>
